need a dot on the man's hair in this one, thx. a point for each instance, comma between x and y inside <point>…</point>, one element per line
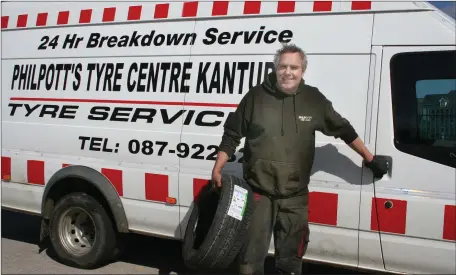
<point>291,48</point>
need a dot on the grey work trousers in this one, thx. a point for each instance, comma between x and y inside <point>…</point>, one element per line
<point>287,220</point>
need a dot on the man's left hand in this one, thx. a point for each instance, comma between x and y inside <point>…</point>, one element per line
<point>379,166</point>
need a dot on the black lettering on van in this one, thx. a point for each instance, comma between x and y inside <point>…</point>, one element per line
<point>55,76</point>
<point>199,121</point>
<point>285,36</point>
<point>211,37</point>
<point>185,76</point>
<point>72,41</point>
<point>68,111</point>
<point>268,39</point>
<point>93,40</point>
<point>217,77</point>
<point>131,84</point>
<point>14,107</point>
<point>247,37</point>
<point>117,114</point>
<point>109,72</point>
<point>165,66</point>
<point>123,114</point>
<point>215,80</point>
<point>242,66</point>
<point>77,76</point>
<point>99,113</point>
<point>141,76</point>
<point>15,75</point>
<point>29,110</point>
<point>201,79</point>
<point>144,77</point>
<point>174,77</point>
<point>65,111</point>
<point>49,110</point>
<point>172,119</point>
<point>143,113</point>
<point>96,40</point>
<point>189,117</point>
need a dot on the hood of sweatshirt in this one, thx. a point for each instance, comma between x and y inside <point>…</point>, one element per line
<point>270,86</point>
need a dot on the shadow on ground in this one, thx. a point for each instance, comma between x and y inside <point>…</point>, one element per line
<point>164,255</point>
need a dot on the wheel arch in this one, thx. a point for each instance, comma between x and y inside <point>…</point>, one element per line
<point>77,178</point>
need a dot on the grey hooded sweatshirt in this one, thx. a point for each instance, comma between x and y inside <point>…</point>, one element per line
<point>280,136</point>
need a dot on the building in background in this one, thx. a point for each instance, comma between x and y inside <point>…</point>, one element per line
<point>437,117</point>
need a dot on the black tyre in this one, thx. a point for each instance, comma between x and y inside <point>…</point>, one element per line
<point>81,233</point>
<point>213,237</point>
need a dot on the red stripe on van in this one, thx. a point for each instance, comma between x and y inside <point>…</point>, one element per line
<point>252,7</point>
<point>190,9</point>
<point>134,12</point>
<point>146,102</point>
<point>220,8</point>
<point>161,11</point>
<point>22,21</point>
<point>156,187</point>
<point>109,14</point>
<point>35,172</point>
<point>85,16</point>
<point>115,177</point>
<point>361,5</point>
<point>63,18</point>
<point>323,208</point>
<point>286,6</point>
<point>449,220</point>
<point>322,6</point>
<point>392,220</point>
<point>41,19</point>
<point>5,20</point>
<point>6,168</point>
<point>198,184</point>
<point>65,165</point>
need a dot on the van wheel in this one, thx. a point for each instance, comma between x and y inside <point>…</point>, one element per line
<point>213,237</point>
<point>81,233</point>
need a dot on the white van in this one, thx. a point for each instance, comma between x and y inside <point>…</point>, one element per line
<point>118,108</point>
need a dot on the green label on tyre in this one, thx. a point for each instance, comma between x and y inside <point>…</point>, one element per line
<point>238,202</point>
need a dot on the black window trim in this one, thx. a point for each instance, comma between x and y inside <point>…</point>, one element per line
<point>405,70</point>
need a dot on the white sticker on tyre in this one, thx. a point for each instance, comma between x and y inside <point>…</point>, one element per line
<point>238,202</point>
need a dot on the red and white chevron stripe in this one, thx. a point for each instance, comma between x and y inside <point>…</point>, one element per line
<point>324,208</point>
<point>171,10</point>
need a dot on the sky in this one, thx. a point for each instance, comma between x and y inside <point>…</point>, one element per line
<point>449,7</point>
<point>438,86</point>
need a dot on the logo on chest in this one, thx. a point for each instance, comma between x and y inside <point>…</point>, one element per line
<point>305,118</point>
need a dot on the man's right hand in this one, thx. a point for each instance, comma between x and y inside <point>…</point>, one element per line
<point>216,178</point>
<point>222,158</point>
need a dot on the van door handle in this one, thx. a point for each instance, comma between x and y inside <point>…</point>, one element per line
<point>389,159</point>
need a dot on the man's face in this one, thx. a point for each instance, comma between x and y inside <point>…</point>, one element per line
<point>289,72</point>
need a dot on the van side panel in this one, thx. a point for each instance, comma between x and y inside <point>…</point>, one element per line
<point>419,28</point>
<point>95,96</point>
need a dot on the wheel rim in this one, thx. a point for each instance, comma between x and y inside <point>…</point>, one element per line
<point>77,231</point>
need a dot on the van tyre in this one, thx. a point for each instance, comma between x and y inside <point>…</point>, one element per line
<point>213,238</point>
<point>81,232</point>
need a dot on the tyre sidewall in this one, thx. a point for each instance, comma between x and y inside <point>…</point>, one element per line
<point>215,240</point>
<point>105,238</point>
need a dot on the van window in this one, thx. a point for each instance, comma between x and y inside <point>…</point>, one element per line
<point>423,86</point>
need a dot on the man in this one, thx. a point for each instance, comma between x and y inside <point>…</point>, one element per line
<point>278,119</point>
